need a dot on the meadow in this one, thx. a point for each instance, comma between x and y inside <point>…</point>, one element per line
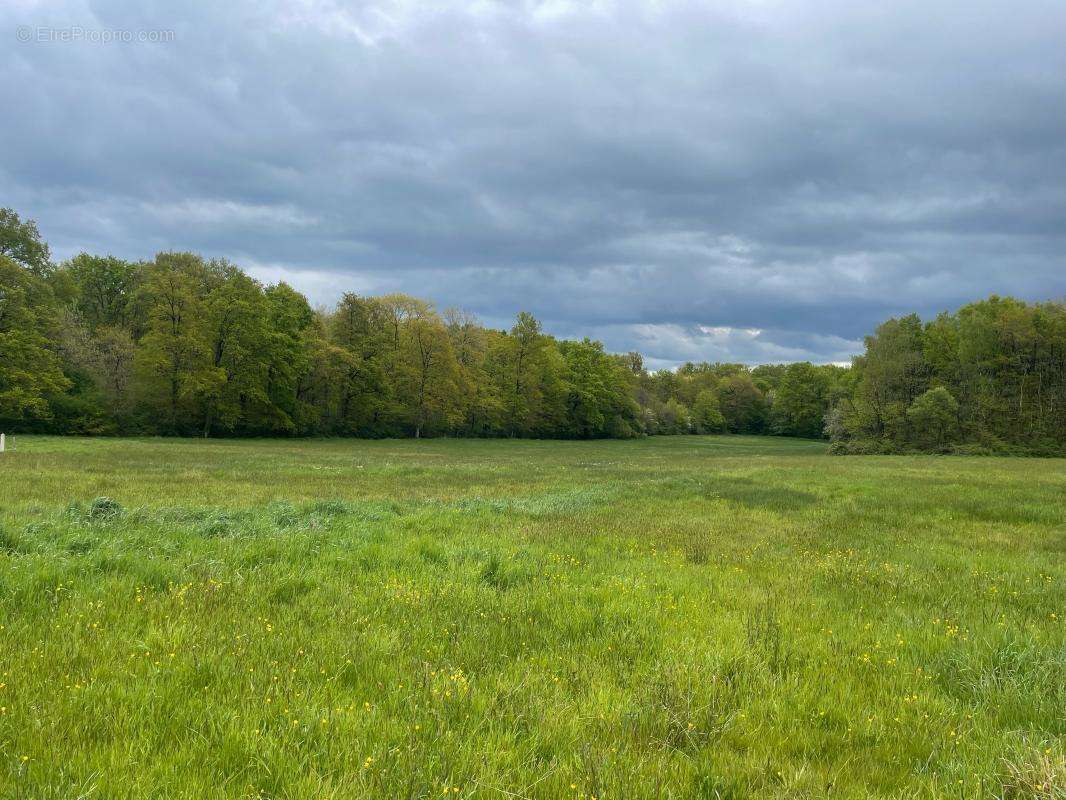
<point>672,617</point>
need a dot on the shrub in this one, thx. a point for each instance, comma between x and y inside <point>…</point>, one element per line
<point>861,447</point>
<point>970,450</point>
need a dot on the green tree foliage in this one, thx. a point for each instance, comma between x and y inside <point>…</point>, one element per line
<point>354,361</point>
<point>112,366</point>
<point>180,345</point>
<point>933,417</point>
<point>21,242</point>
<point>599,399</point>
<point>105,290</point>
<point>173,360</point>
<point>706,413</point>
<point>236,326</point>
<point>30,370</point>
<point>292,333</point>
<point>479,401</point>
<point>802,398</point>
<point>1002,361</point>
<point>673,418</point>
<point>524,366</point>
<point>894,372</point>
<point>743,404</point>
<point>427,374</point>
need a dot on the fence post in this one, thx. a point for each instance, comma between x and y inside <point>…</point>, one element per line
<point>2,442</point>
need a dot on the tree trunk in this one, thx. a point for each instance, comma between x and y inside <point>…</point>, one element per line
<point>174,403</point>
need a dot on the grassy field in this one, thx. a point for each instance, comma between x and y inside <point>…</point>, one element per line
<point>713,617</point>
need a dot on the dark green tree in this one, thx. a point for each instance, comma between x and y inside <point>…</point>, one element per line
<point>933,417</point>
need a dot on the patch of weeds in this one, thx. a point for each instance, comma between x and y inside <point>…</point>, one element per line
<point>330,508</point>
<point>100,510</point>
<point>81,546</point>
<point>502,574</point>
<point>1035,771</point>
<point>48,585</point>
<point>476,505</point>
<point>760,494</point>
<point>432,554</point>
<point>570,501</point>
<point>567,501</point>
<point>689,708</point>
<point>183,514</point>
<point>284,514</point>
<point>11,543</point>
<point>697,549</point>
<point>217,525</point>
<point>374,511</point>
<point>1007,670</point>
<point>104,509</point>
<point>291,589</point>
<point>766,639</point>
<point>145,572</point>
<point>717,787</point>
<point>1004,510</point>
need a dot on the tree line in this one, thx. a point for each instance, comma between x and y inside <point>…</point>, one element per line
<point>183,345</point>
<point>989,378</point>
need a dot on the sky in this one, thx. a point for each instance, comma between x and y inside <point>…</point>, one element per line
<point>746,180</point>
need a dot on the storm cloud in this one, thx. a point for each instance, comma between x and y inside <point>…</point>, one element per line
<point>755,181</point>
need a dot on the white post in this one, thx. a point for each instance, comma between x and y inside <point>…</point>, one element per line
<point>1,442</point>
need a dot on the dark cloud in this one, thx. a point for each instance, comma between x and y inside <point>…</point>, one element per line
<point>752,180</point>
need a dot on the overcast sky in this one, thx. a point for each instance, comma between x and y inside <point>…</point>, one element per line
<point>758,181</point>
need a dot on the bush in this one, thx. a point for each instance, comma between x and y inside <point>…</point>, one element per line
<point>971,450</point>
<point>861,447</point>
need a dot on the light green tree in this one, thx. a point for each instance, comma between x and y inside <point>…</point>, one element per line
<point>800,401</point>
<point>30,370</point>
<point>706,413</point>
<point>674,418</point>
<point>173,364</point>
<point>525,363</point>
<point>21,242</point>
<point>427,373</point>
<point>238,339</point>
<point>105,289</point>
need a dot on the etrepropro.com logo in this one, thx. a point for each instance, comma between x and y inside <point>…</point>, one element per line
<point>49,34</point>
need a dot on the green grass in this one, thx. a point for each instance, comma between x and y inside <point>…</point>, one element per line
<point>715,617</point>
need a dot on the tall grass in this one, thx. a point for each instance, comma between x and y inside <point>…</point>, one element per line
<point>686,617</point>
